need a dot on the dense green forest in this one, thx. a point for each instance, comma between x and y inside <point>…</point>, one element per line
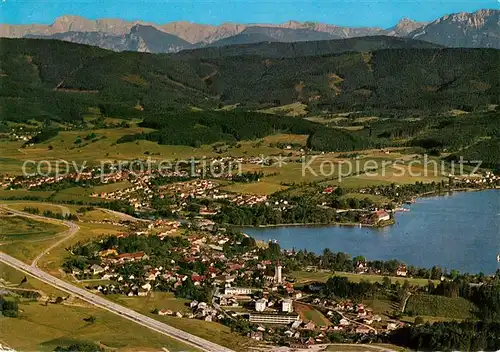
<point>338,140</point>
<point>46,79</point>
<point>196,128</point>
<point>449,336</point>
<point>410,91</point>
<point>488,151</point>
<point>477,131</point>
<point>275,49</point>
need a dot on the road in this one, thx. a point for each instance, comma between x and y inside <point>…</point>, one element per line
<point>72,230</point>
<point>98,301</point>
<point>405,302</point>
<point>112,307</point>
<point>122,216</point>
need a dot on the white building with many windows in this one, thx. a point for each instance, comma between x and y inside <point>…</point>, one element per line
<point>287,306</point>
<point>269,318</point>
<point>237,291</point>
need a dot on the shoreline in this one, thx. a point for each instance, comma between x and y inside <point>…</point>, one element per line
<point>373,226</point>
<point>312,224</point>
<point>414,240</point>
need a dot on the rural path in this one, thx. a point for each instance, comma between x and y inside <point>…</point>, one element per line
<point>122,216</point>
<point>70,232</point>
<point>405,302</point>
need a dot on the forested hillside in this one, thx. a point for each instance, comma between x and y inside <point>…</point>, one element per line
<point>195,128</point>
<point>44,79</point>
<point>474,136</point>
<point>269,49</point>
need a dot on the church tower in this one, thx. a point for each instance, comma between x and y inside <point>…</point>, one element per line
<point>277,273</point>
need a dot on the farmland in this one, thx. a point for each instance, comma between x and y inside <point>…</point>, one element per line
<point>440,306</point>
<point>15,228</point>
<point>212,331</point>
<point>308,313</point>
<point>323,276</point>
<point>51,325</point>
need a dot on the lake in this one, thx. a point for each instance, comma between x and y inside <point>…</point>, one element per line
<point>456,231</point>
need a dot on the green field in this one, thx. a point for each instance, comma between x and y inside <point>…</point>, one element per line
<point>318,318</point>
<point>379,347</point>
<point>212,331</point>
<point>323,276</point>
<point>41,206</point>
<point>24,238</point>
<point>11,277</point>
<point>42,328</point>
<point>17,228</point>
<point>382,304</point>
<point>56,324</point>
<point>106,150</point>
<point>257,188</point>
<point>439,306</point>
<point>294,109</point>
<point>32,246</point>
<point>157,300</point>
<point>20,193</point>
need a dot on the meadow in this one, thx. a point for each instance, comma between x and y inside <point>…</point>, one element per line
<point>55,325</point>
<point>440,307</point>
<point>308,313</point>
<point>212,331</point>
<point>17,228</point>
<point>31,247</point>
<point>25,238</point>
<point>302,277</point>
<point>51,325</point>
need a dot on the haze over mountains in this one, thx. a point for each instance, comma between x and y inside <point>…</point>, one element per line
<point>478,29</point>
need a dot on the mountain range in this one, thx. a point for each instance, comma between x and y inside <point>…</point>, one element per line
<point>478,29</point>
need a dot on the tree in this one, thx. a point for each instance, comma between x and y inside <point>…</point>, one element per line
<point>419,320</point>
<point>386,281</point>
<point>91,320</point>
<point>9,308</point>
<point>82,346</point>
<point>339,192</point>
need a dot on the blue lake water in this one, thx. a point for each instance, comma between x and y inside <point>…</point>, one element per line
<point>458,231</point>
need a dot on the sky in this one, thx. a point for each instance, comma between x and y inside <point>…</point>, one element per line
<point>378,13</point>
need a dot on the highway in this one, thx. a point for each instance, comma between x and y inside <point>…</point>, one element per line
<point>101,302</point>
<point>113,307</point>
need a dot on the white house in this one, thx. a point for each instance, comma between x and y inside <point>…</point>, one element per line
<point>260,305</point>
<point>287,306</point>
<point>401,271</point>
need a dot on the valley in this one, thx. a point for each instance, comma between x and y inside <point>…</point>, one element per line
<point>289,186</point>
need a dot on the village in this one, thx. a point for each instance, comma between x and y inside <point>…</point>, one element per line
<point>225,277</point>
<point>230,278</point>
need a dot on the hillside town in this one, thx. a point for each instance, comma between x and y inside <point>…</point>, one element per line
<point>229,278</point>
